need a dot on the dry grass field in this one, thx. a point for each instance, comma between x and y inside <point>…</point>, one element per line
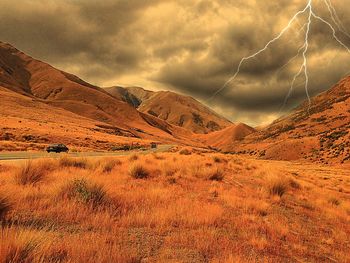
<point>185,206</point>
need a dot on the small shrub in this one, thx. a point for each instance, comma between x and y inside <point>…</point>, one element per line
<point>216,175</point>
<point>138,171</point>
<point>277,186</point>
<point>84,192</point>
<point>5,206</point>
<point>66,161</point>
<point>185,152</point>
<point>32,172</point>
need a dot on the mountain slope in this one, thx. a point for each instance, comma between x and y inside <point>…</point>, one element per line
<point>228,136</point>
<point>176,109</point>
<point>29,77</point>
<point>316,132</point>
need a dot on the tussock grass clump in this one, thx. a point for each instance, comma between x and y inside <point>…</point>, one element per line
<point>277,186</point>
<point>20,246</point>
<point>138,171</point>
<point>133,157</point>
<point>294,184</point>
<point>107,165</point>
<point>84,192</point>
<point>158,156</point>
<point>217,159</point>
<point>216,174</point>
<point>66,161</point>
<point>169,170</point>
<point>33,172</point>
<point>5,206</point>
<point>334,201</point>
<point>185,151</point>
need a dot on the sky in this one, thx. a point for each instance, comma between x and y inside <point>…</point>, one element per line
<point>188,46</point>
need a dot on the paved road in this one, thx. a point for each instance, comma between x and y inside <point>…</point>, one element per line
<point>4,156</point>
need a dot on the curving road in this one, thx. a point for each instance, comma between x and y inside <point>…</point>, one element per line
<point>6,156</point>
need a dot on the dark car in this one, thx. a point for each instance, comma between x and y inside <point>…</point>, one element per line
<point>57,148</point>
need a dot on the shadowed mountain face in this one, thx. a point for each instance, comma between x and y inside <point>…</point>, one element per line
<point>176,109</point>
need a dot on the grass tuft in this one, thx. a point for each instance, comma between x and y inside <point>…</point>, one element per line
<point>133,157</point>
<point>138,171</point>
<point>84,192</point>
<point>334,201</point>
<point>277,186</point>
<point>66,161</point>
<point>185,151</point>
<point>216,174</point>
<point>107,165</point>
<point>31,173</point>
<point>5,206</point>
<point>19,246</point>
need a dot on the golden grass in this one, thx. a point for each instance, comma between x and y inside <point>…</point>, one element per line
<point>85,192</point>
<point>66,161</point>
<point>5,205</point>
<point>191,208</point>
<point>33,172</point>
<point>107,165</point>
<point>138,171</point>
<point>277,186</point>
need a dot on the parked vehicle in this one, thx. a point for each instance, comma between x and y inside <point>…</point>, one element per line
<point>153,145</point>
<point>57,148</point>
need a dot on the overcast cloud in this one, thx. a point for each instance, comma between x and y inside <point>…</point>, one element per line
<point>191,47</point>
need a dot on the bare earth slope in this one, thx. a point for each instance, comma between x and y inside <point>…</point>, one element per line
<point>183,111</point>
<point>316,132</point>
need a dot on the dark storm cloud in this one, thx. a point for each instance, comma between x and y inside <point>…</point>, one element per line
<point>189,46</point>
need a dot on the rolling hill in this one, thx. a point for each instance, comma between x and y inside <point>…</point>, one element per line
<point>44,84</point>
<point>318,132</point>
<point>179,110</point>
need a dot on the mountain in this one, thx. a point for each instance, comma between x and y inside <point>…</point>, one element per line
<point>227,137</point>
<point>38,82</point>
<point>318,132</point>
<point>176,109</point>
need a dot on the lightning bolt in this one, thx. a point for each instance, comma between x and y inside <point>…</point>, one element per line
<point>303,50</point>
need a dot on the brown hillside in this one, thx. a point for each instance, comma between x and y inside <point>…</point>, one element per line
<point>228,136</point>
<point>316,132</point>
<point>22,74</point>
<point>176,109</point>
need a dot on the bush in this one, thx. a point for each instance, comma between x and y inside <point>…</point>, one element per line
<point>33,172</point>
<point>138,171</point>
<point>66,161</point>
<point>84,192</point>
<point>278,186</point>
<point>5,206</point>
